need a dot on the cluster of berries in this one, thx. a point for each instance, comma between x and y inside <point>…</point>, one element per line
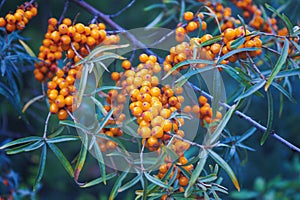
<point>19,19</point>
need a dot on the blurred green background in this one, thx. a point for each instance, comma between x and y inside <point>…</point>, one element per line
<point>268,161</point>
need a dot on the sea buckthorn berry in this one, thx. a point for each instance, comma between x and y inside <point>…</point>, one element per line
<point>183,160</point>
<point>163,168</point>
<point>188,16</point>
<point>155,92</point>
<point>10,27</point>
<point>144,131</point>
<point>79,28</point>
<point>10,19</point>
<point>153,143</point>
<point>215,48</point>
<point>137,111</point>
<point>126,64</point>
<point>229,34</point>
<point>51,85</point>
<point>115,76</point>
<point>67,21</point>
<point>143,58</point>
<point>202,100</point>
<point>192,26</point>
<point>63,29</point>
<point>183,181</point>
<point>60,101</point>
<point>52,21</point>
<point>53,108</point>
<point>165,113</point>
<point>62,114</point>
<point>2,22</point>
<point>157,132</point>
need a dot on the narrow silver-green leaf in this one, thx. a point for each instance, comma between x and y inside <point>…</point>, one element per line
<point>130,183</point>
<point>63,138</point>
<point>196,173</point>
<point>226,167</point>
<point>230,53</point>
<point>99,157</point>
<point>98,180</point>
<point>117,185</point>
<point>156,181</point>
<point>284,92</point>
<point>21,141</point>
<point>280,62</point>
<point>81,158</point>
<point>41,167</point>
<point>63,160</point>
<point>254,88</point>
<point>270,118</point>
<point>215,135</point>
<point>187,62</point>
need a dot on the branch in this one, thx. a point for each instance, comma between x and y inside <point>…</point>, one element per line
<point>107,19</point>
<point>250,120</point>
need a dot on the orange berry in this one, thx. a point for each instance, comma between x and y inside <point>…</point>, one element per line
<point>62,114</point>
<point>143,58</point>
<point>144,131</point>
<point>63,29</point>
<point>183,181</point>
<point>188,16</point>
<point>157,132</point>
<point>52,21</point>
<point>192,26</point>
<point>229,34</point>
<point>60,101</point>
<point>10,27</point>
<point>202,100</point>
<point>126,64</point>
<point>2,22</point>
<point>153,142</point>
<point>165,113</point>
<point>53,108</point>
<point>137,111</point>
<point>67,21</point>
<point>79,28</point>
<point>115,76</point>
<point>215,48</point>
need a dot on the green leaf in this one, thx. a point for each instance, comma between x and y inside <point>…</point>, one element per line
<point>286,73</point>
<point>284,19</point>
<point>196,173</point>
<point>74,125</point>
<point>81,158</point>
<point>21,141</point>
<point>41,167</point>
<point>106,88</point>
<point>62,138</point>
<point>237,42</point>
<point>82,83</point>
<point>230,53</point>
<point>104,121</point>
<point>117,185</point>
<point>284,92</point>
<point>26,106</point>
<point>270,118</point>
<point>153,6</point>
<point>208,178</point>
<point>98,180</point>
<point>57,132</point>
<point>211,41</point>
<point>99,157</point>
<point>25,148</point>
<point>63,160</point>
<point>188,62</point>
<point>156,181</point>
<point>254,88</point>
<point>184,78</point>
<point>226,167</point>
<point>215,135</point>
<point>280,62</point>
<point>27,48</point>
<point>156,20</point>
<point>130,183</point>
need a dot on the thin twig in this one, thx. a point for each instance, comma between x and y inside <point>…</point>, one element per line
<point>122,10</point>
<point>66,6</point>
<point>141,156</point>
<point>255,67</point>
<point>251,121</point>
<point>2,3</point>
<point>46,125</point>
